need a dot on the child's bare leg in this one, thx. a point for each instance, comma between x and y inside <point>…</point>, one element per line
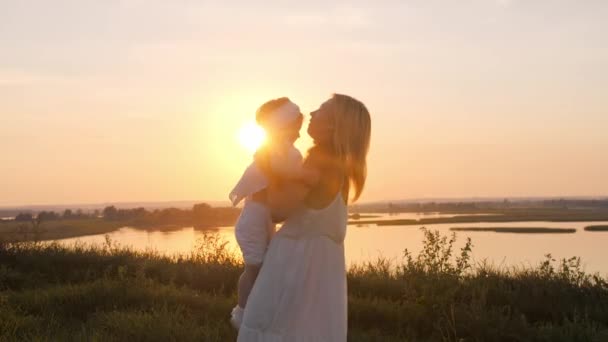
<point>246,282</point>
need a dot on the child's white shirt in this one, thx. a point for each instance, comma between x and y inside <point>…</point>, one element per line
<point>254,227</point>
<point>284,162</point>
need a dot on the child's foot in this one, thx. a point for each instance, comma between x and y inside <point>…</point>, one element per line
<point>236,317</point>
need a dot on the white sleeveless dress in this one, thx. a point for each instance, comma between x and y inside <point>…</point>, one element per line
<point>300,293</point>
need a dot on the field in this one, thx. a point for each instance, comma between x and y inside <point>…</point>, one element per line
<point>61,229</point>
<point>25,231</point>
<point>109,293</point>
<point>50,225</point>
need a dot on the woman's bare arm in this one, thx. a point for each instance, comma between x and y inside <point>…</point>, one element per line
<point>285,198</point>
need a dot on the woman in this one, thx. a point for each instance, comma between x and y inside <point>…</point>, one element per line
<point>300,293</point>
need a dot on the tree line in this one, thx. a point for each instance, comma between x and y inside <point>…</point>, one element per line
<point>600,204</point>
<point>67,214</point>
<point>201,214</point>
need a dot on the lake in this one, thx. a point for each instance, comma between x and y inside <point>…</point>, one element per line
<point>365,243</point>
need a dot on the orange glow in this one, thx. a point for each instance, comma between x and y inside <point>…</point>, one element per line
<point>251,136</point>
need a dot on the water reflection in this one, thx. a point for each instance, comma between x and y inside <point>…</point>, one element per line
<point>368,243</point>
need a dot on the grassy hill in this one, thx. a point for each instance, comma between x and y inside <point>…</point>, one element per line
<point>109,293</point>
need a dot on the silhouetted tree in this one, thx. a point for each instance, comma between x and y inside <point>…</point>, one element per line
<point>47,216</point>
<point>201,211</point>
<point>110,213</point>
<point>22,217</point>
<point>67,214</point>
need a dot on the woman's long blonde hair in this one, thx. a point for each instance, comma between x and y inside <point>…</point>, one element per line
<point>351,136</point>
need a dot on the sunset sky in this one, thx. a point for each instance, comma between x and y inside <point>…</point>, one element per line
<point>133,100</point>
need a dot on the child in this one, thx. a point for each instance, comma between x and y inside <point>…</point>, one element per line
<point>282,120</point>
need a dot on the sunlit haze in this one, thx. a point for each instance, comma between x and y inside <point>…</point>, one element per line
<point>251,136</point>
<point>129,100</point>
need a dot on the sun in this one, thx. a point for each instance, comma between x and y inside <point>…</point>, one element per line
<point>251,136</point>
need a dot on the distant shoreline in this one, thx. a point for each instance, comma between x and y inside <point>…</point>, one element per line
<point>499,216</point>
<point>516,230</point>
<point>67,229</point>
<point>600,228</point>
<point>73,228</point>
<point>358,207</point>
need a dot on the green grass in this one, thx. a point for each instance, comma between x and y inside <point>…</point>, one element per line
<point>517,230</point>
<point>109,293</point>
<point>596,228</point>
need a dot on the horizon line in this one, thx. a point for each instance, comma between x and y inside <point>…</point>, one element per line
<point>227,202</point>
